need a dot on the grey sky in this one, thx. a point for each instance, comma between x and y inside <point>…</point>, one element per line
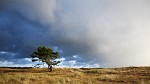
<point>106,32</point>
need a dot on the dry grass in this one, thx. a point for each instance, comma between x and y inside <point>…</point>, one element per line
<point>128,75</point>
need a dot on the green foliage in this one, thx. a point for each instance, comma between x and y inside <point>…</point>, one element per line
<point>46,55</point>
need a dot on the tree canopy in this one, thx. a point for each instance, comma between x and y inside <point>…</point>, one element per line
<point>47,55</point>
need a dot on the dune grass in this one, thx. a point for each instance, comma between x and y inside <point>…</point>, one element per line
<point>128,75</point>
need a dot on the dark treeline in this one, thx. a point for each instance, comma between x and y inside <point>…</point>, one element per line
<point>17,67</point>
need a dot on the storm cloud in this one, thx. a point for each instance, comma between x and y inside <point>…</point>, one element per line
<point>105,33</point>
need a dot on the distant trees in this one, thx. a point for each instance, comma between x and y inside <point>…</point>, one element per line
<point>47,55</point>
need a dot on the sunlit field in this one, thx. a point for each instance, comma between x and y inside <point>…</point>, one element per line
<point>128,75</point>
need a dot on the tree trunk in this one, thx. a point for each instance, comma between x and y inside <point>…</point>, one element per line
<point>50,67</point>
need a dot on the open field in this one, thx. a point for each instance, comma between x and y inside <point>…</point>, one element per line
<point>128,75</point>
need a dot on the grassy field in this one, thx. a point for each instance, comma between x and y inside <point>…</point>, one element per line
<point>128,75</point>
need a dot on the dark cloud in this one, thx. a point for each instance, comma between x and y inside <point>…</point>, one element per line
<point>21,35</point>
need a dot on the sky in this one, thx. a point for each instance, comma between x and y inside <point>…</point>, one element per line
<point>87,33</point>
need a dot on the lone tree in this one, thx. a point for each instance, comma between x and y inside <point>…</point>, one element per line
<point>47,55</point>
